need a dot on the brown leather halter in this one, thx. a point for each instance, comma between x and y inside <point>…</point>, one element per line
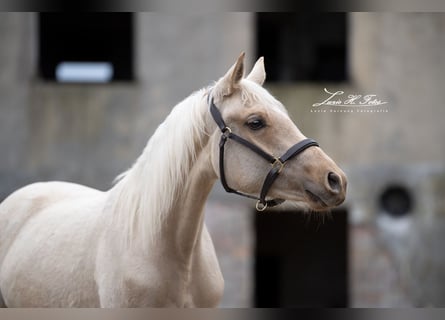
<point>276,162</point>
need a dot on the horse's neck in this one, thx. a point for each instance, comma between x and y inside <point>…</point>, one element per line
<point>186,219</point>
<point>161,198</point>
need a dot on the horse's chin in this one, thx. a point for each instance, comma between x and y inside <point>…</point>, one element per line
<point>320,209</point>
<point>309,206</point>
<point>316,203</point>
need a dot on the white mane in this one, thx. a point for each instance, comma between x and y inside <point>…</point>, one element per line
<point>145,192</point>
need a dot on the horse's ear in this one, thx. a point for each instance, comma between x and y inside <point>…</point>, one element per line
<point>258,73</point>
<point>229,83</point>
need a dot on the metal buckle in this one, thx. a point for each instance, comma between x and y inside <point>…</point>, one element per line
<point>260,207</point>
<point>226,131</point>
<point>276,163</point>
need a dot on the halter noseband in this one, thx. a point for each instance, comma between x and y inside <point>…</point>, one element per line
<point>277,163</point>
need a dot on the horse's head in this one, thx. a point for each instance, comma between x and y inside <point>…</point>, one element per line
<point>311,178</point>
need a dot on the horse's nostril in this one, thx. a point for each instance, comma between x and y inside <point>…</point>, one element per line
<point>334,182</point>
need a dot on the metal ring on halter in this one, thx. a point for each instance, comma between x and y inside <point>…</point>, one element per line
<point>226,131</point>
<point>279,163</point>
<point>260,206</point>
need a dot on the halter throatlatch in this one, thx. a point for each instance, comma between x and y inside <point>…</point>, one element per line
<point>277,163</point>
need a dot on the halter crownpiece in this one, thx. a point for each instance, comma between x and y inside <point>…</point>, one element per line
<point>276,162</point>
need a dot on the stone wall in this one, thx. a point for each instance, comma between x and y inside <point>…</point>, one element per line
<point>398,261</point>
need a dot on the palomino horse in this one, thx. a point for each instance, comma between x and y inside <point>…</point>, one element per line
<point>144,242</point>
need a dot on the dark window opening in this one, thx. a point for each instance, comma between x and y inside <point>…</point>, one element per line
<point>303,46</point>
<point>86,47</point>
<point>396,201</point>
<point>301,262</point>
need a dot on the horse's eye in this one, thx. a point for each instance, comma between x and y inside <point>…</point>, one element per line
<point>255,123</point>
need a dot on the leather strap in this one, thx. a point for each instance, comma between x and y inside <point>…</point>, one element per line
<point>276,169</point>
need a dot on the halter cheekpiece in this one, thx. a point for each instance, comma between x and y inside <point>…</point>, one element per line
<point>277,163</point>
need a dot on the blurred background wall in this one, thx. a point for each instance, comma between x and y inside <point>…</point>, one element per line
<point>381,248</point>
